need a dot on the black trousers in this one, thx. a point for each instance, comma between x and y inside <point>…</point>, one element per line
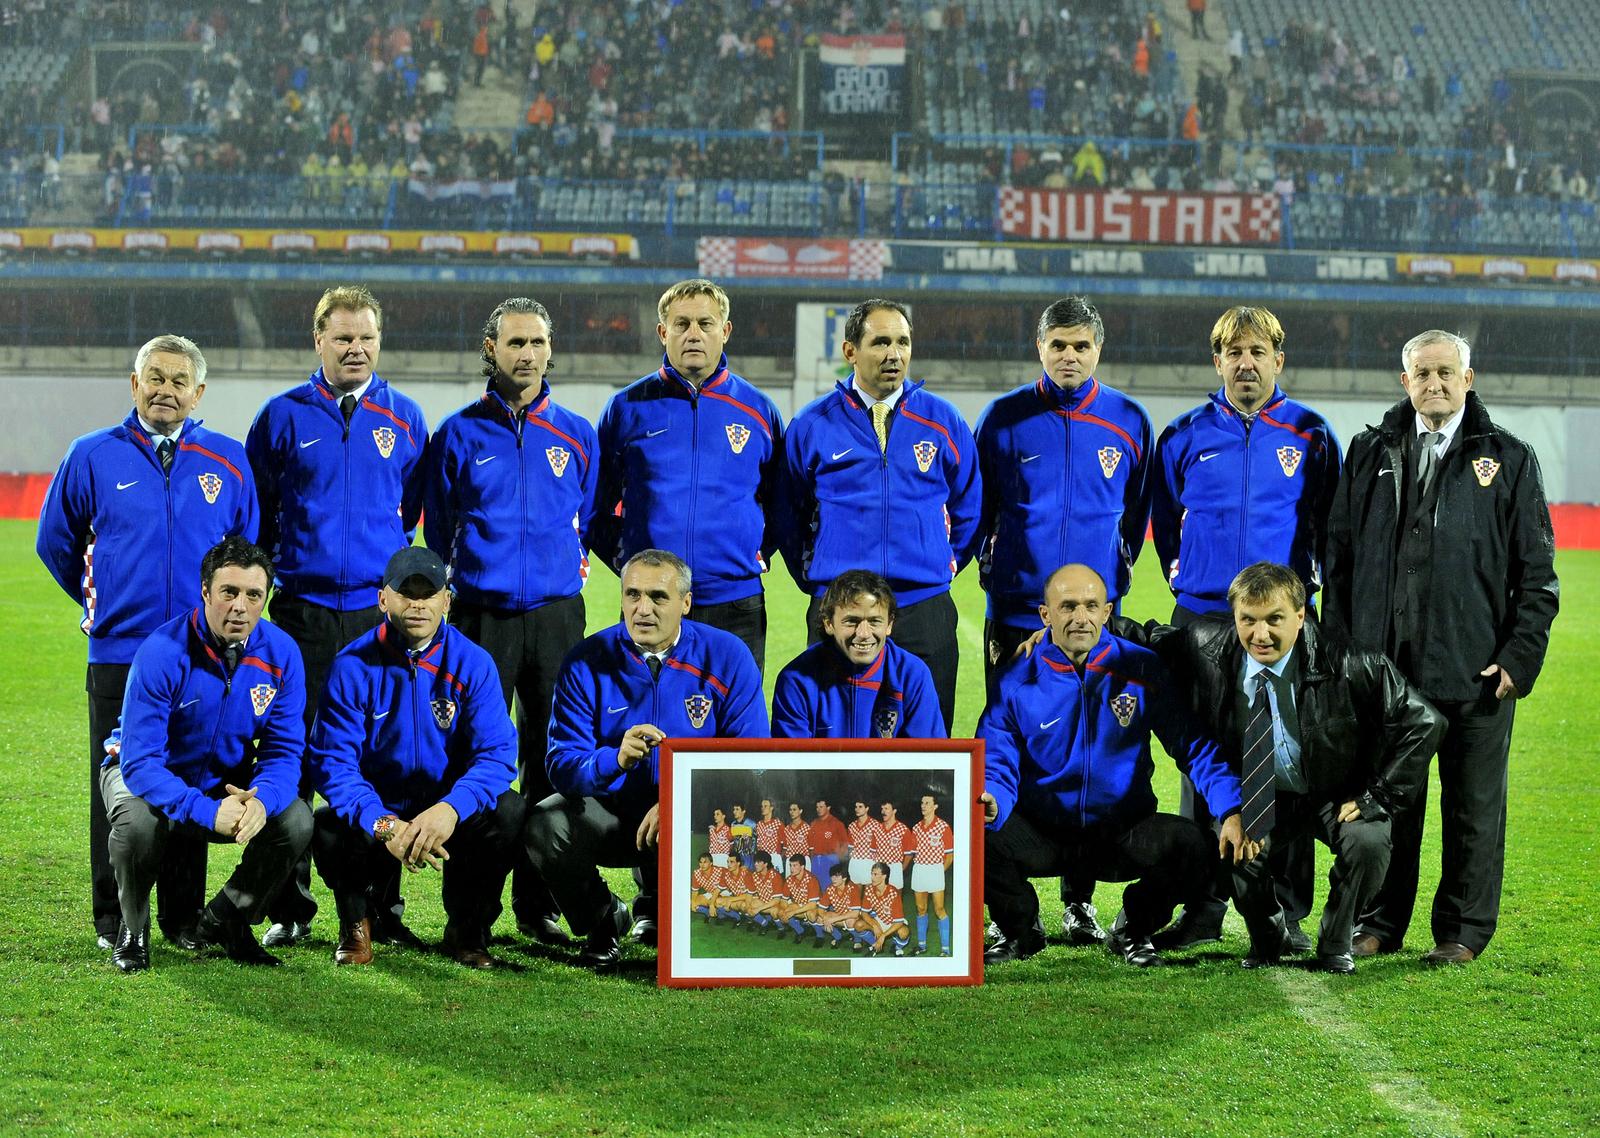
<point>927,630</point>
<point>357,867</point>
<point>181,878</point>
<point>746,618</point>
<point>1293,862</point>
<point>568,839</point>
<point>1163,856</point>
<point>1360,859</point>
<point>140,833</point>
<point>320,632</point>
<point>528,648</point>
<point>1473,761</point>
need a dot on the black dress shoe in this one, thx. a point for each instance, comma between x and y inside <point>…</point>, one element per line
<point>188,938</point>
<point>1013,948</point>
<point>1189,929</point>
<point>1136,950</point>
<point>1294,938</point>
<point>1338,963</point>
<point>398,934</point>
<point>285,933</point>
<point>105,941</point>
<point>644,931</point>
<point>601,951</point>
<point>545,930</point>
<point>1261,960</point>
<point>132,950</point>
<point>235,938</point>
<point>1079,925</point>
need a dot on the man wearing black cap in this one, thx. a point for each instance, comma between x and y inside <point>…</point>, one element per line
<point>415,754</point>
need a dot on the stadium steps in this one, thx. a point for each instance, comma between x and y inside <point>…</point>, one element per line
<point>502,100</point>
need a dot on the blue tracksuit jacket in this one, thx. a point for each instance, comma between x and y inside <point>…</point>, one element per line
<point>910,514</point>
<point>125,541</point>
<point>1231,492</point>
<point>708,688</point>
<point>189,727</point>
<point>1070,747</point>
<point>1066,478</point>
<point>336,504</point>
<point>695,473</point>
<point>821,695</point>
<point>397,734</point>
<point>510,500</point>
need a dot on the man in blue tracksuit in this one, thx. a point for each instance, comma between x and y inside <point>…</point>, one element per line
<point>1067,784</point>
<point>414,752</point>
<point>1066,466</point>
<point>130,514</point>
<point>510,496</point>
<point>1247,476</point>
<point>654,675</point>
<point>856,683</point>
<point>690,461</point>
<point>338,467</point>
<point>210,744</point>
<point>883,471</point>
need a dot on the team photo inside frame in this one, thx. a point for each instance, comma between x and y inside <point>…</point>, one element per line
<point>875,920</point>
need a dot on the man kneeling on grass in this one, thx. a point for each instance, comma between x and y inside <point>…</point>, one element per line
<point>210,744</point>
<point>414,751</point>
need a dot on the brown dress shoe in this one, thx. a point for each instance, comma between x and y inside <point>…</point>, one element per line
<point>1365,944</point>
<point>467,950</point>
<point>355,943</point>
<point>1450,953</point>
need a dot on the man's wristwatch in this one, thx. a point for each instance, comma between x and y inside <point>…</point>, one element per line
<point>383,829</point>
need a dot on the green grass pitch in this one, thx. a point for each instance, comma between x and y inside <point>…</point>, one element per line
<point>1069,1042</point>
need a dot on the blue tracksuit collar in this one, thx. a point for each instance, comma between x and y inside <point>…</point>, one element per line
<point>499,401</point>
<point>671,376</point>
<point>871,673</point>
<point>200,635</point>
<point>136,429</point>
<point>1056,660</point>
<point>394,644</point>
<point>1219,400</point>
<point>1056,396</point>
<point>847,388</point>
<point>333,394</point>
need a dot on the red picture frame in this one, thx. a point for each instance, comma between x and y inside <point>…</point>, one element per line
<point>699,776</point>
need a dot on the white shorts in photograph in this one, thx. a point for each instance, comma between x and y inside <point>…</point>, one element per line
<point>927,878</point>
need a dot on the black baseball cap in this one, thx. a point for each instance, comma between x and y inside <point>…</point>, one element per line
<point>415,561</point>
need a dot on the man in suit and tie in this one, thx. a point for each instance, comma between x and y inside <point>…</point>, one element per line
<point>1441,554</point>
<point>1331,741</point>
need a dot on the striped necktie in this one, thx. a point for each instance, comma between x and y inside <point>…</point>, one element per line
<point>880,425</point>
<point>1258,813</point>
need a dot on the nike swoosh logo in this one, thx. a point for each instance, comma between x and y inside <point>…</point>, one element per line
<point>379,714</point>
<point>614,710</point>
<point>653,434</point>
<point>191,703</point>
<point>1052,723</point>
<point>125,485</point>
<point>1029,458</point>
<point>310,443</point>
<point>1209,457</point>
<point>481,461</point>
<point>838,454</point>
<point>1381,473</point>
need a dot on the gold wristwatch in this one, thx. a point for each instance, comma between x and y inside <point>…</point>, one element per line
<point>383,828</point>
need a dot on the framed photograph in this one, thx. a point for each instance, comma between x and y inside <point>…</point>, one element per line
<point>821,862</point>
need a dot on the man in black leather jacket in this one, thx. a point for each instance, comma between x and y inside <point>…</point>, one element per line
<point>1343,739</point>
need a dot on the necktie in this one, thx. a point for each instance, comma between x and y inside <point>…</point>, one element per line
<point>230,656</point>
<point>1427,458</point>
<point>880,425</point>
<point>164,450</point>
<point>1257,813</point>
<point>347,407</point>
<point>655,666</point>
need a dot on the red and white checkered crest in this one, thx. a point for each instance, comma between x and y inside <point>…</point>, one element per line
<point>698,707</point>
<point>1289,458</point>
<point>261,697</point>
<point>1123,706</point>
<point>444,712</point>
<point>924,453</point>
<point>210,486</point>
<point>738,435</point>
<point>384,437</point>
<point>1109,457</point>
<point>558,459</point>
<point>884,721</point>
<point>1485,468</point>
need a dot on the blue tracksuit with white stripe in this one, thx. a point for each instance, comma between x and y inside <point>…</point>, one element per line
<point>190,726</point>
<point>1070,746</point>
<point>909,513</point>
<point>510,500</point>
<point>1231,491</point>
<point>397,732</point>
<point>125,540</point>
<point>708,688</point>
<point>337,502</point>
<point>1066,478</point>
<point>821,694</point>
<point>695,471</point>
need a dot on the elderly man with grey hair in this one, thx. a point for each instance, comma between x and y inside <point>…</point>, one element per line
<point>652,676</point>
<point>1441,555</point>
<point>130,514</point>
